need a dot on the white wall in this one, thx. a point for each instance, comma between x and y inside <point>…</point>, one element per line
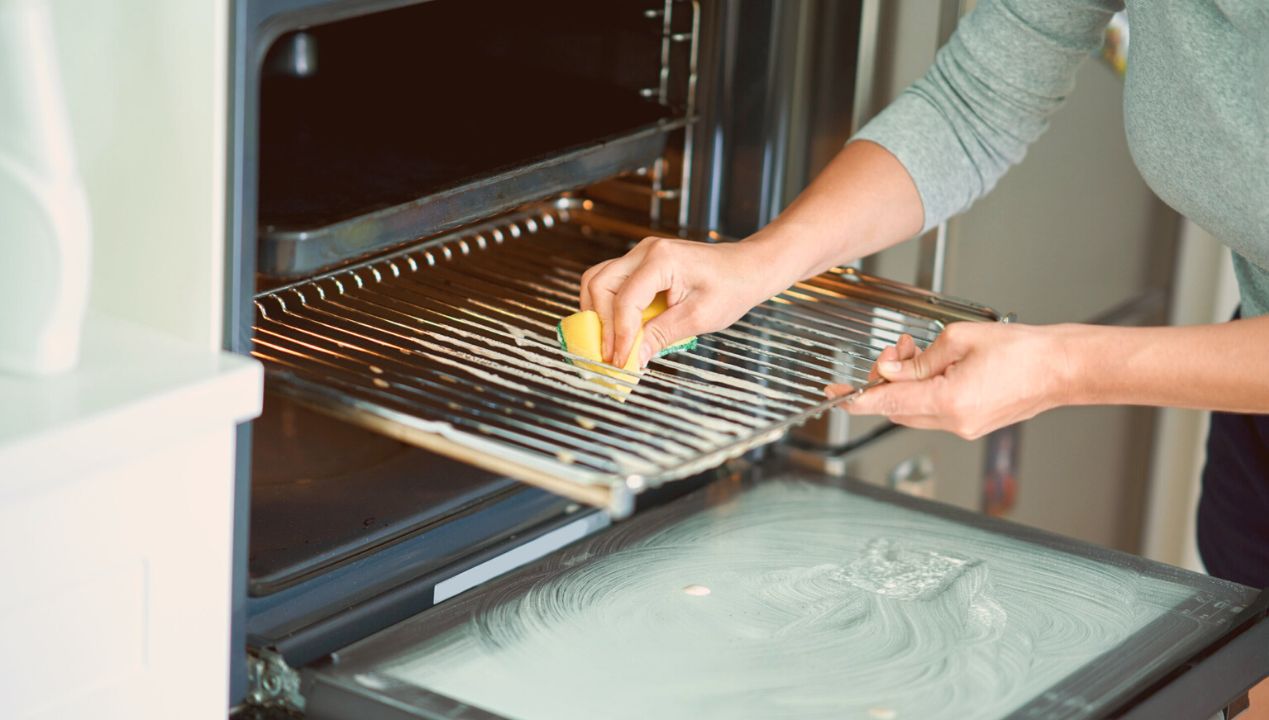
<point>145,83</point>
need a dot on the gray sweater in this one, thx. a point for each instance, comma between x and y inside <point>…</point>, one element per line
<point>1196,106</point>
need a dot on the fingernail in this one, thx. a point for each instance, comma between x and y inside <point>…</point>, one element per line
<point>645,355</point>
<point>891,366</point>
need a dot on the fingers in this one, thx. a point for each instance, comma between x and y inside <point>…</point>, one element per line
<point>636,293</point>
<point>666,329</point>
<point>890,354</point>
<point>588,277</point>
<point>601,298</point>
<point>923,365</point>
<point>941,388</point>
<point>600,285</point>
<point>905,349</point>
<point>601,291</point>
<point>923,422</point>
<point>898,400</point>
<point>838,390</point>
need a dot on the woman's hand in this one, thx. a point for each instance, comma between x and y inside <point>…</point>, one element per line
<point>973,379</point>
<point>862,202</point>
<point>708,287</point>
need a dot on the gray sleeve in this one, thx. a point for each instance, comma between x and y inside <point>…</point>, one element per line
<point>989,94</point>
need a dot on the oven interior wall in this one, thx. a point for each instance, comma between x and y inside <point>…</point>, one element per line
<point>375,111</point>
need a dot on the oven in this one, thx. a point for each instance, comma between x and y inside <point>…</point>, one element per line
<point>415,188</point>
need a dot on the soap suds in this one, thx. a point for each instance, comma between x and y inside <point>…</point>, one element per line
<point>821,604</point>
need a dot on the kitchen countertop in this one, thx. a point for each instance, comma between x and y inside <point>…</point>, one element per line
<point>134,389</point>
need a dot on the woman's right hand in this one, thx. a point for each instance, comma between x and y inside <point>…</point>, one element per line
<point>862,202</point>
<point>708,287</point>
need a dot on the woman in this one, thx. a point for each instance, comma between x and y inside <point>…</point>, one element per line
<point>1197,115</point>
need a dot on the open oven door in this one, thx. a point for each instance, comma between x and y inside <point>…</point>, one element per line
<point>777,593</point>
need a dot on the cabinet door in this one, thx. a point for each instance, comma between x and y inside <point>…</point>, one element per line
<point>933,465</point>
<point>1083,473</point>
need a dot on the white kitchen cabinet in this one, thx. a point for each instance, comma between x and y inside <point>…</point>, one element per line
<point>116,492</point>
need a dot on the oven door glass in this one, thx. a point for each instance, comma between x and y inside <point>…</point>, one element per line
<point>793,596</point>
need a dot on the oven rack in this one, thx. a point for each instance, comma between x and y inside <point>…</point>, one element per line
<point>450,345</point>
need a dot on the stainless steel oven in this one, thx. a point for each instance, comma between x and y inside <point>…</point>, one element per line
<point>415,190</point>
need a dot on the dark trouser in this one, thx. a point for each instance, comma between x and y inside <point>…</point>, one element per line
<point>1233,512</point>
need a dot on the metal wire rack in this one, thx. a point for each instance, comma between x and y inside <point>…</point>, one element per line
<point>451,345</point>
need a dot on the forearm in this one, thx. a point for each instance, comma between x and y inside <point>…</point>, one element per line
<point>863,201</point>
<point>1213,367</point>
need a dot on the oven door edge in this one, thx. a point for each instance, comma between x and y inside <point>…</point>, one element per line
<point>279,639</point>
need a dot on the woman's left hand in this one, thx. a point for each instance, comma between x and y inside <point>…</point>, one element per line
<point>973,379</point>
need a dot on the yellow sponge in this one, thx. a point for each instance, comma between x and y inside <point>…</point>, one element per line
<point>582,334</point>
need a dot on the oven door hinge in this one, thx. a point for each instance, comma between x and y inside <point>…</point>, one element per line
<point>271,682</point>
